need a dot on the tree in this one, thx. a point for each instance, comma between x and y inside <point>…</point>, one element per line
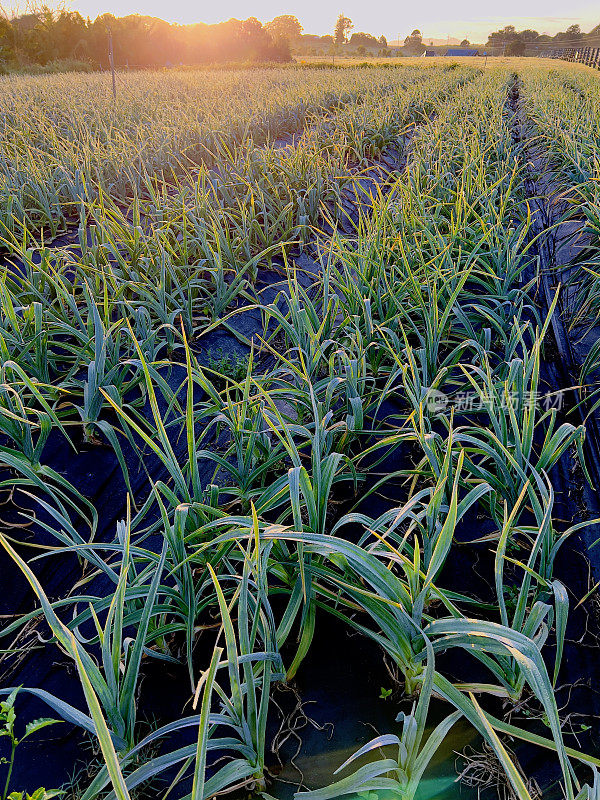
<point>342,27</point>
<point>465,43</point>
<point>573,33</point>
<point>414,42</point>
<point>68,34</point>
<point>6,40</point>
<point>383,41</point>
<point>286,26</point>
<point>256,42</point>
<point>529,36</point>
<point>363,40</point>
<point>516,48</point>
<point>513,42</point>
<point>503,37</point>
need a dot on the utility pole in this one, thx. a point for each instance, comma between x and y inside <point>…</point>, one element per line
<point>111,60</point>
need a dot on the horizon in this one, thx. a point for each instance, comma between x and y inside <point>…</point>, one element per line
<point>467,21</point>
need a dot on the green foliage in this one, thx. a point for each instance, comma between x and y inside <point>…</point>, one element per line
<point>417,295</point>
<point>39,794</point>
<point>230,365</point>
<point>8,718</point>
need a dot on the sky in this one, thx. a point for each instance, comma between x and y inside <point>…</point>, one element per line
<point>472,19</point>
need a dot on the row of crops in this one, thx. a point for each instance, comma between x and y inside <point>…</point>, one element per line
<point>59,148</point>
<point>565,113</point>
<point>269,389</point>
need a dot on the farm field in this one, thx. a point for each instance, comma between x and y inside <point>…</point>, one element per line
<point>299,433</point>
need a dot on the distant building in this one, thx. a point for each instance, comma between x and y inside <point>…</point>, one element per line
<point>461,51</point>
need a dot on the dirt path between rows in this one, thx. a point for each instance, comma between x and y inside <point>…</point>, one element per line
<point>560,239</point>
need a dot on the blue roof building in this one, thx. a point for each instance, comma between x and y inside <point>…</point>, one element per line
<point>462,51</point>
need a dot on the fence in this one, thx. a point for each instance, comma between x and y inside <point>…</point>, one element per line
<point>590,56</point>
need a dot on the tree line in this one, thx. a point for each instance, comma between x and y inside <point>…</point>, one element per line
<point>53,36</point>
<point>47,35</point>
<point>518,43</point>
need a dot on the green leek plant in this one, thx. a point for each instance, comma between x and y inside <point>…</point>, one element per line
<point>113,687</point>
